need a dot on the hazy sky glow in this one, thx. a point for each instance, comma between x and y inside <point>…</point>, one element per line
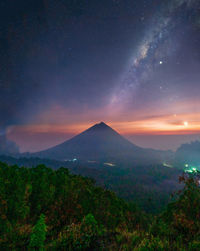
<point>69,64</point>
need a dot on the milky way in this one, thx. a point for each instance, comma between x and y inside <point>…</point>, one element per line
<point>68,64</point>
<point>160,47</point>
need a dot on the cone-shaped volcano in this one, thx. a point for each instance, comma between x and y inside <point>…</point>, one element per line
<point>99,143</point>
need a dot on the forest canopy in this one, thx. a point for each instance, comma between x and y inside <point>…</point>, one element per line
<point>41,208</point>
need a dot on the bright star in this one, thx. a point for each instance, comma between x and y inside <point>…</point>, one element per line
<point>161,62</point>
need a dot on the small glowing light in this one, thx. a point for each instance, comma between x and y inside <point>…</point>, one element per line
<point>167,165</point>
<point>186,165</point>
<point>109,164</point>
<point>191,170</point>
<point>185,123</point>
<point>161,62</point>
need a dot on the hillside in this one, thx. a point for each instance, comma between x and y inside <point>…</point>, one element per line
<point>45,209</point>
<point>149,185</point>
<point>188,155</point>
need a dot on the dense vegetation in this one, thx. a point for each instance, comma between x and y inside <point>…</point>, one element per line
<point>150,186</point>
<point>45,209</point>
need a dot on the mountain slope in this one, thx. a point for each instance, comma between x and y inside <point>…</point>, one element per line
<point>188,154</point>
<point>100,143</point>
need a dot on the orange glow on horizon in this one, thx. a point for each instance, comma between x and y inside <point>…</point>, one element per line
<point>161,125</point>
<point>34,137</point>
<point>174,119</point>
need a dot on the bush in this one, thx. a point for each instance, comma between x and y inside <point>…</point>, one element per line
<point>38,234</point>
<point>153,244</point>
<point>194,246</point>
<point>79,236</point>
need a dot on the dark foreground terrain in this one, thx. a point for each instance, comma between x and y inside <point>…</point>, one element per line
<point>45,209</point>
<point>150,186</point>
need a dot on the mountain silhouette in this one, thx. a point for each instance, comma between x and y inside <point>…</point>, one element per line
<point>188,154</point>
<point>100,143</point>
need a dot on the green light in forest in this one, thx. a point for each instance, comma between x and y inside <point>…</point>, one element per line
<point>188,171</point>
<point>191,170</point>
<point>167,165</point>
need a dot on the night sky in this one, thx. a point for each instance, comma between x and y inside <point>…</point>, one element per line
<point>67,64</point>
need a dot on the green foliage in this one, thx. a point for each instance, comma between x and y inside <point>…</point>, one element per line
<point>153,244</point>
<point>148,185</point>
<point>182,217</point>
<point>79,236</point>
<point>89,225</point>
<point>194,245</point>
<point>70,238</point>
<point>38,234</point>
<point>45,209</point>
<point>73,207</point>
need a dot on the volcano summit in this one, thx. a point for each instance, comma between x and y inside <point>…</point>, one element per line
<point>101,143</point>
